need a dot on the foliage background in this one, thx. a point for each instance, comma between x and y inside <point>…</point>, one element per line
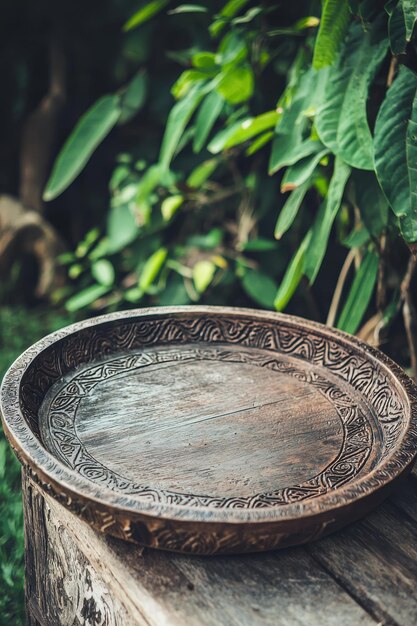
<point>231,153</point>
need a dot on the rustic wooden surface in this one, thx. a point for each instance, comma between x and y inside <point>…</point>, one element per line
<point>210,430</point>
<point>364,575</point>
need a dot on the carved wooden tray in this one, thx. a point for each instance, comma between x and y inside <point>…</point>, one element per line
<point>209,430</point>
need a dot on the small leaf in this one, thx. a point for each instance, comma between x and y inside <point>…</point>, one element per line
<point>188,8</point>
<point>260,287</point>
<point>251,127</point>
<point>297,174</point>
<point>290,209</point>
<point>203,274</point>
<point>410,16</point>
<point>144,14</point>
<point>152,267</point>
<point>360,294</point>
<point>324,220</point>
<point>259,143</point>
<point>90,131</point>
<point>103,272</point>
<point>260,244</point>
<point>229,10</point>
<point>201,173</point>
<point>292,276</point>
<point>178,119</point>
<point>186,81</point>
<point>121,228</point>
<point>170,206</point>
<point>206,118</point>
<point>236,84</point>
<point>85,297</point>
<point>333,26</point>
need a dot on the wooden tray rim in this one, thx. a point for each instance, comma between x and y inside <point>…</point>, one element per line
<point>56,477</point>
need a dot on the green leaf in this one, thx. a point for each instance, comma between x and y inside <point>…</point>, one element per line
<point>252,126</point>
<point>85,297</point>
<point>290,209</point>
<point>301,171</point>
<point>396,29</point>
<point>178,119</point>
<point>260,287</point>
<point>372,203</point>
<point>133,98</point>
<point>236,84</point>
<point>103,272</point>
<point>394,146</point>
<point>360,294</point>
<point>333,26</point>
<point>259,143</point>
<point>201,173</point>
<point>186,81</point>
<point>206,118</point>
<point>410,16</point>
<point>357,238</point>
<point>203,274</point>
<point>90,131</point>
<point>342,123</point>
<point>217,144</point>
<point>188,8</point>
<point>121,227</point>
<point>325,218</point>
<point>152,267</point>
<point>170,206</point>
<point>144,14</point>
<point>260,244</point>
<point>204,60</point>
<point>229,10</point>
<point>292,276</point>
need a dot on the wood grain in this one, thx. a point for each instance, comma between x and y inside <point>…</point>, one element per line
<point>210,430</point>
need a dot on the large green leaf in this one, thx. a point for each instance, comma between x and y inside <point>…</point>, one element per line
<point>394,146</point>
<point>396,28</point>
<point>410,16</point>
<point>90,131</point>
<point>360,294</point>
<point>325,218</point>
<point>342,122</point>
<point>333,25</point>
<point>178,119</point>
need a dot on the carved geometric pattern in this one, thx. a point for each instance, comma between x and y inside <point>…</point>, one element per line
<point>59,429</point>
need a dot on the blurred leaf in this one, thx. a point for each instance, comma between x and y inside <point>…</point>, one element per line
<point>209,241</point>
<point>259,143</point>
<point>360,294</point>
<point>178,119</point>
<point>201,173</point>
<point>229,10</point>
<point>85,297</point>
<point>259,244</point>
<point>236,84</point>
<point>324,220</point>
<point>188,8</point>
<point>342,123</point>
<point>252,126</point>
<point>121,227</point>
<point>333,26</point>
<point>103,272</point>
<point>371,201</point>
<point>290,209</point>
<point>217,144</point>
<point>292,276</point>
<point>152,268</point>
<point>357,238</point>
<point>186,81</point>
<point>396,28</point>
<point>260,287</point>
<point>394,145</point>
<point>203,274</point>
<point>204,60</point>
<point>206,118</point>
<point>90,131</point>
<point>145,13</point>
<point>133,98</point>
<point>297,174</point>
<point>170,206</point>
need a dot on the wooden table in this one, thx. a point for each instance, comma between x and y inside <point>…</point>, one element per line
<point>366,574</point>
